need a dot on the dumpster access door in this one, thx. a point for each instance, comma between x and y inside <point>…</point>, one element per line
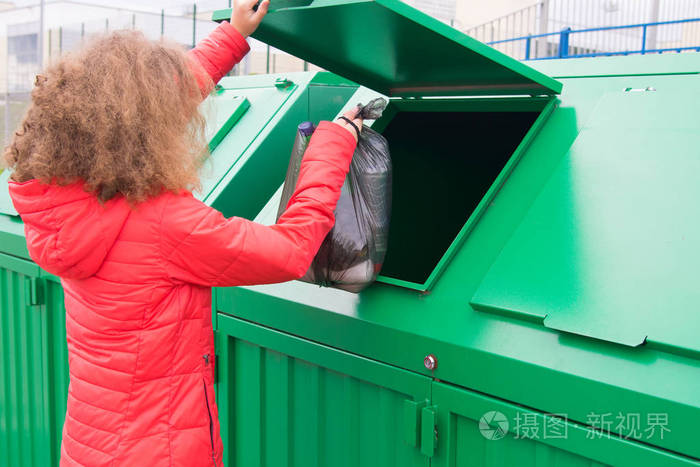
<point>460,115</point>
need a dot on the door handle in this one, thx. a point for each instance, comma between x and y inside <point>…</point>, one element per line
<point>428,441</point>
<point>411,420</point>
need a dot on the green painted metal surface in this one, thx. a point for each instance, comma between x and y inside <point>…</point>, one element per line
<point>633,65</point>
<point>56,371</point>
<point>241,143</point>
<point>615,250</point>
<point>400,51</point>
<point>229,109</point>
<point>311,376</point>
<point>481,431</point>
<point>249,163</point>
<point>505,356</point>
<point>6,206</point>
<point>12,234</point>
<point>34,370</point>
<point>287,401</point>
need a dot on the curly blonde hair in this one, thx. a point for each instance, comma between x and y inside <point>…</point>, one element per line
<point>121,115</point>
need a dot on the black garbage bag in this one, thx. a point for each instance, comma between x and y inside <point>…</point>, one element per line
<point>352,254</point>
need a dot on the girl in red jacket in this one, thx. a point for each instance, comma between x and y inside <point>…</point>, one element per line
<point>102,168</point>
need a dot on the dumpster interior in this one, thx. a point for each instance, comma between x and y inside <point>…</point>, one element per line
<point>450,126</point>
<point>443,163</point>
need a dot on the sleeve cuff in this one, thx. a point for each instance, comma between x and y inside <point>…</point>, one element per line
<point>337,130</point>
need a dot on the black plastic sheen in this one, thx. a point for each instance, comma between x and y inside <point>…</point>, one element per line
<point>352,254</point>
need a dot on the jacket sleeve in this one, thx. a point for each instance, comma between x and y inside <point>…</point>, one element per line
<point>200,246</point>
<point>216,55</point>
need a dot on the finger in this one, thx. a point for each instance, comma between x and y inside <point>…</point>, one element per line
<point>262,10</point>
<point>248,4</point>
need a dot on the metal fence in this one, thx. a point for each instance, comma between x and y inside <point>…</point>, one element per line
<point>521,22</point>
<point>12,108</point>
<point>187,27</point>
<point>600,19</point>
<point>570,43</point>
<point>186,30</point>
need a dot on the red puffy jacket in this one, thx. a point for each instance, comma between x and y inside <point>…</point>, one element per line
<point>137,288</point>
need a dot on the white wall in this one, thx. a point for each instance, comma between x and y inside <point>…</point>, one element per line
<point>474,12</point>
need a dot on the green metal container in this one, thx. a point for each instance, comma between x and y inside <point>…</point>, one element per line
<point>537,304</point>
<point>34,374</point>
<point>536,307</point>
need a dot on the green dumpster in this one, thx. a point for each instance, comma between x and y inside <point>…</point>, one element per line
<point>537,304</point>
<point>536,307</point>
<point>249,121</point>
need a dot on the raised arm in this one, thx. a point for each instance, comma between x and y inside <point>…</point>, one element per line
<point>217,53</point>
<point>200,246</point>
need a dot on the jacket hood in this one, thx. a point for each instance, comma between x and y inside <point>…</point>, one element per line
<point>69,233</point>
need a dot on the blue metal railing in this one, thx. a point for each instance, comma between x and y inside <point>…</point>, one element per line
<point>566,33</point>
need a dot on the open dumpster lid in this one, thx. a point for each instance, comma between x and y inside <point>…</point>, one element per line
<point>394,49</point>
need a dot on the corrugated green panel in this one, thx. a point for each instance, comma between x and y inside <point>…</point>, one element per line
<point>308,405</point>
<point>56,370</point>
<point>479,431</point>
<point>290,412</point>
<point>474,450</point>
<point>24,430</point>
<point>33,376</point>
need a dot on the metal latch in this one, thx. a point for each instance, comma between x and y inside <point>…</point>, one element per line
<point>411,418</point>
<point>420,426</point>
<point>283,83</point>
<point>428,430</point>
<point>33,291</point>
<point>646,89</point>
